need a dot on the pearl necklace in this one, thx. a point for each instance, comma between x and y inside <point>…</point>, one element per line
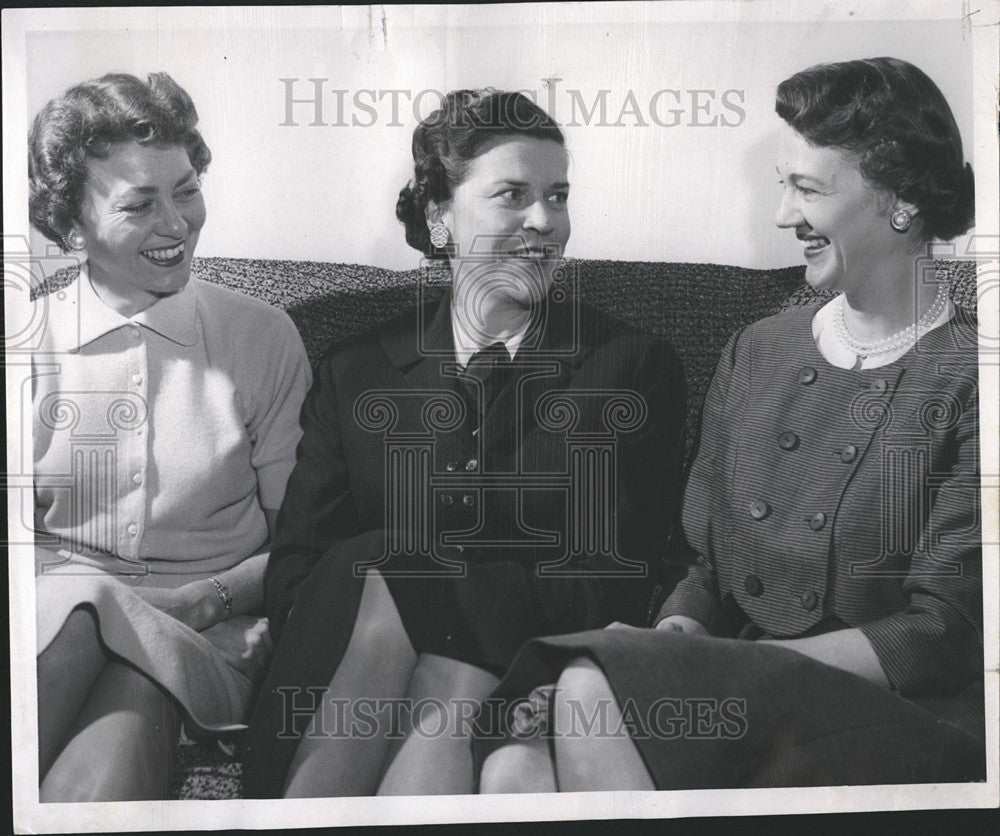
<point>910,334</point>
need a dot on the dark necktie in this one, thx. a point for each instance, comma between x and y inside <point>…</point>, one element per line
<point>485,372</point>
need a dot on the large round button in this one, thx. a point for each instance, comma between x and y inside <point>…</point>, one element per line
<point>788,441</point>
<point>133,529</point>
<point>137,478</point>
<point>759,509</point>
<point>468,500</point>
<point>447,500</point>
<point>809,600</point>
<point>849,454</point>
<point>753,585</point>
<point>471,465</point>
<point>879,385</point>
<point>817,521</point>
<point>807,375</point>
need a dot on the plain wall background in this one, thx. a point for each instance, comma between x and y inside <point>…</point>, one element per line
<point>654,193</point>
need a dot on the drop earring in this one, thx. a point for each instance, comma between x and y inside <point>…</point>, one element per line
<point>439,235</point>
<point>901,220</point>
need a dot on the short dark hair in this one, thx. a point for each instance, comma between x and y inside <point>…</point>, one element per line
<point>898,123</point>
<point>450,138</point>
<point>85,121</point>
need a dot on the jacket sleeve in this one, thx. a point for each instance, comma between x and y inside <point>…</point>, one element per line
<point>318,510</point>
<point>697,595</point>
<point>934,645</point>
<point>650,460</point>
<point>605,584</point>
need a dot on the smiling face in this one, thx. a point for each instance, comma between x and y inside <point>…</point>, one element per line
<point>841,220</point>
<point>141,213</point>
<point>509,221</point>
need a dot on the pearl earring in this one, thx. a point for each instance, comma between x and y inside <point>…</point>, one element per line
<point>439,235</point>
<point>73,241</point>
<point>901,220</point>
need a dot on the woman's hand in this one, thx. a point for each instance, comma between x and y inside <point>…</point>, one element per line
<point>619,625</point>
<point>244,642</point>
<point>196,604</point>
<point>682,624</point>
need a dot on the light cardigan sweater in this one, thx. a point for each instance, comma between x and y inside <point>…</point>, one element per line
<point>161,437</point>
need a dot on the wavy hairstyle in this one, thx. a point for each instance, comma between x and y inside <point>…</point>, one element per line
<point>85,121</point>
<point>897,123</point>
<point>446,142</point>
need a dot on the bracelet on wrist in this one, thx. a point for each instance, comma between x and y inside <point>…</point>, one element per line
<point>224,594</point>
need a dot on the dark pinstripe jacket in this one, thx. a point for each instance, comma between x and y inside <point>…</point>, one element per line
<point>822,498</point>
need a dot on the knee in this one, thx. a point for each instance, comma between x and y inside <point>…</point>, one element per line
<point>581,685</point>
<point>515,769</point>
<point>78,633</point>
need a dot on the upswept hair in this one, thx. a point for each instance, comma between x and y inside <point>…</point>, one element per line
<point>446,142</point>
<point>85,121</point>
<point>897,122</point>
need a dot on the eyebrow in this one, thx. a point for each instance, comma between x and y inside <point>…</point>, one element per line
<point>525,184</point>
<point>154,190</point>
<point>795,178</point>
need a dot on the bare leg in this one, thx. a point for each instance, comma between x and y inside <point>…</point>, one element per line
<point>67,670</point>
<point>435,758</point>
<point>122,744</point>
<point>525,766</point>
<point>589,761</point>
<point>378,663</point>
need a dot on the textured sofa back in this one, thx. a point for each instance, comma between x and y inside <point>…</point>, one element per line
<point>696,307</point>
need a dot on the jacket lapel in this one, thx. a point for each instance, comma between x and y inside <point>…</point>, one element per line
<point>423,350</point>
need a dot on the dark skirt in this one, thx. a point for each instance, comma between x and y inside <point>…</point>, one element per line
<point>710,713</point>
<point>481,617</point>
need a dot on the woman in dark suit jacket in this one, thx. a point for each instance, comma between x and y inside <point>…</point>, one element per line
<point>494,465</point>
<point>830,630</point>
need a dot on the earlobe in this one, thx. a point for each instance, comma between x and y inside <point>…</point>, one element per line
<point>433,213</point>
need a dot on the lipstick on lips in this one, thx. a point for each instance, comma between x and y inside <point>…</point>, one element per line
<point>165,256</point>
<point>533,253</point>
